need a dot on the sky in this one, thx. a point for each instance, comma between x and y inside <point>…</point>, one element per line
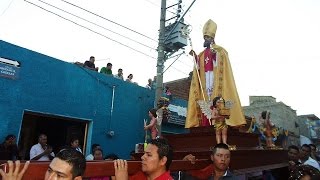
<point>273,45</point>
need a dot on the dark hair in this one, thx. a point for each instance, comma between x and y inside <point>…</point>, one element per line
<point>315,177</point>
<point>307,146</point>
<point>303,170</point>
<point>214,101</point>
<point>109,64</point>
<point>74,139</point>
<point>111,156</point>
<point>130,75</point>
<point>119,69</point>
<point>164,150</point>
<point>220,146</point>
<point>41,135</point>
<point>153,112</point>
<point>93,146</point>
<point>264,114</point>
<point>293,147</point>
<point>132,152</point>
<point>91,57</point>
<point>97,149</point>
<point>75,159</point>
<point>10,136</point>
<point>312,145</point>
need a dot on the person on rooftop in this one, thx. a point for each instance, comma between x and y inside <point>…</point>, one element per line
<point>90,64</point>
<point>107,70</point>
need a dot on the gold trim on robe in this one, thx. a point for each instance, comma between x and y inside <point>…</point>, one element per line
<point>224,86</point>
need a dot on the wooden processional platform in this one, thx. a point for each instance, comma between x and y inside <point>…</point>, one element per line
<point>247,158</point>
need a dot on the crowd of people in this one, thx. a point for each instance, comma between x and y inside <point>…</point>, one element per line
<point>70,163</point>
<point>119,75</point>
<point>90,64</point>
<point>42,151</point>
<point>306,155</point>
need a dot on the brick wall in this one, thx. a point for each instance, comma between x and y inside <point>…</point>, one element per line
<point>180,88</point>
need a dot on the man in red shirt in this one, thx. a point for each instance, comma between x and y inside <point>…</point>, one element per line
<point>155,163</point>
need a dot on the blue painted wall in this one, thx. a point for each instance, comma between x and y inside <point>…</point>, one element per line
<point>52,86</point>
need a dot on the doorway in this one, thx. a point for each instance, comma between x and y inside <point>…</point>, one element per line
<point>59,130</point>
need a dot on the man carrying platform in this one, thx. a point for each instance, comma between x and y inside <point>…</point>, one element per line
<point>69,164</point>
<point>155,163</point>
<point>219,169</point>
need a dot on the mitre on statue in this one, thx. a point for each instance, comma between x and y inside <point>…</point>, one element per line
<point>210,28</point>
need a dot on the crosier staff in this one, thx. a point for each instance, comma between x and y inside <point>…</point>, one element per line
<point>205,107</point>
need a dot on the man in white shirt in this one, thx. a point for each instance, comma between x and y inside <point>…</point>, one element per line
<point>305,157</point>
<point>41,151</point>
<point>149,85</point>
<point>93,147</point>
<point>119,75</point>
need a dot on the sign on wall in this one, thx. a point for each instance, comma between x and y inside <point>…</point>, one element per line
<point>9,68</point>
<point>178,114</point>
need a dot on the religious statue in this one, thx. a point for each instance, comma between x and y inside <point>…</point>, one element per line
<point>162,112</point>
<point>152,126</point>
<point>219,115</point>
<point>212,77</point>
<point>268,128</point>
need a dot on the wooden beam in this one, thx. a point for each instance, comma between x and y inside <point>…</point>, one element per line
<point>37,170</point>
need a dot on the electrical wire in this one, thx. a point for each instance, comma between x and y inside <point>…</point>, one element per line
<point>5,10</point>
<point>101,34</point>
<point>180,71</point>
<point>172,63</point>
<point>108,20</point>
<point>176,60</point>
<point>152,3</point>
<point>185,64</point>
<point>91,30</point>
<point>159,6</point>
<point>97,25</point>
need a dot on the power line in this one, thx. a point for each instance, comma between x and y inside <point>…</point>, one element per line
<point>108,20</point>
<point>158,6</point>
<point>152,3</point>
<point>172,63</point>
<point>97,25</point>
<point>177,60</point>
<point>5,10</point>
<point>185,64</point>
<point>180,71</point>
<point>169,35</point>
<point>91,30</point>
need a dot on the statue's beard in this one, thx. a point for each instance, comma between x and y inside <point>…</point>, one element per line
<point>207,43</point>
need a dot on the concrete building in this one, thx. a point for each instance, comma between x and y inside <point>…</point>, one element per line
<point>282,115</point>
<point>309,126</point>
<point>41,94</point>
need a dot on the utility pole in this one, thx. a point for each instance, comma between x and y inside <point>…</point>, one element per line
<point>161,55</point>
<point>163,38</point>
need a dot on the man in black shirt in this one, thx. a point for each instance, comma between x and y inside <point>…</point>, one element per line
<point>90,64</point>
